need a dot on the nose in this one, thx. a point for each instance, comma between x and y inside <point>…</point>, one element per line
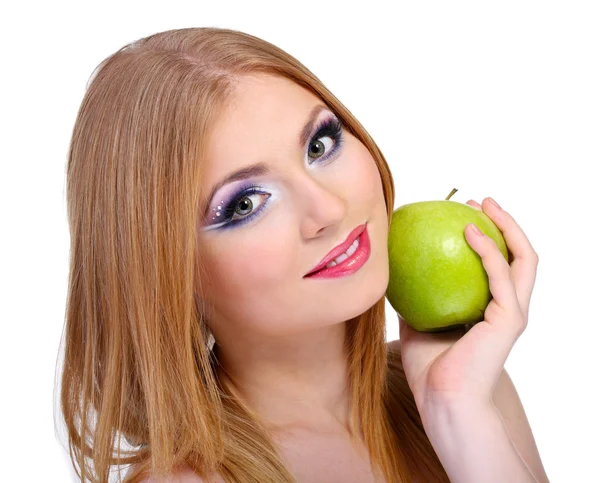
<point>324,207</point>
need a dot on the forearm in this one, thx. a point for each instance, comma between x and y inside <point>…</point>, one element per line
<point>473,444</point>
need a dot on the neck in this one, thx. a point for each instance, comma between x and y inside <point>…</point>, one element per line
<point>292,381</point>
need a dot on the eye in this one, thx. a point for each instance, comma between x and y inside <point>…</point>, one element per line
<point>241,209</point>
<point>317,147</point>
<point>326,141</point>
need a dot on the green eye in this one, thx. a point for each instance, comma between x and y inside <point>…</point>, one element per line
<point>317,148</point>
<point>246,204</point>
<point>326,141</point>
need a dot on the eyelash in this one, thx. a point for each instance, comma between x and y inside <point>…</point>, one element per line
<point>229,211</point>
<point>331,127</point>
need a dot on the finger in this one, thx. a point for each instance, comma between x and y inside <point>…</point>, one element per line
<point>499,277</point>
<point>525,259</point>
<point>474,204</point>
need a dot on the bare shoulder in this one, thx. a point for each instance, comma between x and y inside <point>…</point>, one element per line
<point>185,475</point>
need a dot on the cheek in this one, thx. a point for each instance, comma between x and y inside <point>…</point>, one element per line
<point>253,286</point>
<point>248,268</point>
<point>369,187</point>
<point>268,262</point>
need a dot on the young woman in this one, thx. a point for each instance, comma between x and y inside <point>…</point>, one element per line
<point>209,175</point>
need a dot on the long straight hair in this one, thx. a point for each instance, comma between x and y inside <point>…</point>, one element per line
<point>139,384</point>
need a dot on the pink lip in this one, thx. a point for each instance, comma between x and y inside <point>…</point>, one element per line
<point>351,264</point>
<point>338,250</point>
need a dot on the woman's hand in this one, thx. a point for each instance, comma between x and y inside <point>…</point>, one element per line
<point>458,367</point>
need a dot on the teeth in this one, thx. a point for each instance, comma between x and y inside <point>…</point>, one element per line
<point>343,256</point>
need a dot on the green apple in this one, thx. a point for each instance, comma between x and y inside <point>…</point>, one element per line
<point>437,281</point>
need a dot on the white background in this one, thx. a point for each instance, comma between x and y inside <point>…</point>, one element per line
<point>491,98</point>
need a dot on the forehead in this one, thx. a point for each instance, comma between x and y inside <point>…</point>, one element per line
<point>265,99</point>
<point>262,119</point>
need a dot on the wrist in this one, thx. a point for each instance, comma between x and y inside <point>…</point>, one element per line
<point>439,413</point>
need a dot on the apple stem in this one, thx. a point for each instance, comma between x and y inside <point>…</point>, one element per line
<point>454,190</point>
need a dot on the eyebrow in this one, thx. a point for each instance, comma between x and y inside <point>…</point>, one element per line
<point>260,169</point>
<point>309,124</point>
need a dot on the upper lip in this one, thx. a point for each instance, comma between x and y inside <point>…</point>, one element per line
<point>341,248</point>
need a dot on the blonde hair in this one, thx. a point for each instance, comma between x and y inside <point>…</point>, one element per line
<point>137,363</point>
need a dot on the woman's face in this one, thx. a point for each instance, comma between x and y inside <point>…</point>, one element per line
<point>262,233</point>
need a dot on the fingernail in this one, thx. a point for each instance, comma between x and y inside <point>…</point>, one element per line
<point>476,230</point>
<point>493,202</point>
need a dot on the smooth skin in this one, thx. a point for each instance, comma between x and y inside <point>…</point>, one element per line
<point>281,336</point>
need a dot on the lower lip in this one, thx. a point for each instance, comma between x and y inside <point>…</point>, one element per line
<point>351,264</point>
